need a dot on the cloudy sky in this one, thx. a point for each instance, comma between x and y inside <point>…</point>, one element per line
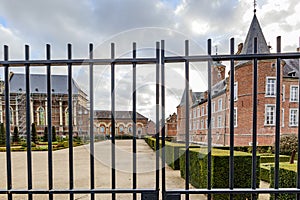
<point>57,22</point>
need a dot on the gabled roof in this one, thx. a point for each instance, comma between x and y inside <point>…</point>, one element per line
<point>196,96</point>
<point>106,114</point>
<point>38,84</point>
<point>255,31</point>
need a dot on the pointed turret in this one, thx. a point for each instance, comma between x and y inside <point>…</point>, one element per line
<point>255,32</point>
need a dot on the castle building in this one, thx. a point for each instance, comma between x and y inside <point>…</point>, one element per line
<point>60,111</point>
<point>243,94</point>
<point>38,104</point>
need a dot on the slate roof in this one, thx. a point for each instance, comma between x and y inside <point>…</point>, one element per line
<point>291,65</point>
<point>106,114</point>
<point>255,31</point>
<point>38,84</point>
<point>195,96</point>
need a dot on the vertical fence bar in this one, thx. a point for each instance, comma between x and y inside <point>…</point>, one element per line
<point>187,120</point>
<point>28,111</point>
<point>209,138</point>
<point>163,134</point>
<point>70,99</point>
<point>231,158</point>
<point>277,128</point>
<point>134,120</point>
<point>92,145</point>
<point>49,118</point>
<point>254,120</point>
<point>113,123</point>
<point>7,124</point>
<point>157,119</point>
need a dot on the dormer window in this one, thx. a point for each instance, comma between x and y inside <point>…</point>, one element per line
<point>292,73</point>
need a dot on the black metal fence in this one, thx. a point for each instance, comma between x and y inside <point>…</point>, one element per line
<point>160,61</point>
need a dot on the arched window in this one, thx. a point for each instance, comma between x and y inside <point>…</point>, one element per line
<point>41,116</point>
<point>11,115</point>
<point>130,129</point>
<point>121,128</point>
<point>102,129</point>
<point>67,116</point>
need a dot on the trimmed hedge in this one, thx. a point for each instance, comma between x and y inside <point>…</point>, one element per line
<point>287,179</point>
<point>271,158</point>
<point>220,170</point>
<point>265,170</point>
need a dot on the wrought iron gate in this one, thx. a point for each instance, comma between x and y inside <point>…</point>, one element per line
<point>160,61</point>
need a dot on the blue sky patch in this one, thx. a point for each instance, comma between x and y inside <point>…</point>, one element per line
<point>3,21</point>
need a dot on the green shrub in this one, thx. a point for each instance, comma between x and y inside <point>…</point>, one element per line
<point>220,170</point>
<point>287,179</point>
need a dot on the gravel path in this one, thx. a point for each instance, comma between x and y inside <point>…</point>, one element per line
<point>145,170</point>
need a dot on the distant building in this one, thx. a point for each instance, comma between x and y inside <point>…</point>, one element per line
<point>171,125</point>
<point>38,104</point>
<point>124,123</point>
<point>151,128</point>
<point>243,94</point>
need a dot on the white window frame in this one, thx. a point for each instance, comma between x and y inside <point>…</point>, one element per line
<point>268,93</point>
<point>235,91</point>
<point>194,113</point>
<point>282,118</point>
<point>213,107</point>
<point>293,123</point>
<point>212,122</point>
<point>202,124</point>
<point>283,93</point>
<point>294,97</point>
<point>219,122</point>
<point>202,111</point>
<point>198,112</point>
<point>220,104</point>
<point>274,115</point>
<point>235,117</point>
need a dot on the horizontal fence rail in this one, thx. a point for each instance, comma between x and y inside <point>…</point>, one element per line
<point>160,61</point>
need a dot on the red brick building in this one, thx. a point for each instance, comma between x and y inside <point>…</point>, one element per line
<point>171,125</point>
<point>243,94</point>
<point>102,121</point>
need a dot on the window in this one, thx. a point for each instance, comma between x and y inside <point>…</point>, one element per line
<point>213,107</point>
<point>283,92</point>
<point>190,125</point>
<point>130,129</point>
<point>198,125</point>
<point>67,116</point>
<point>294,93</point>
<point>219,121</point>
<point>282,119</point>
<point>293,117</point>
<point>194,112</point>
<point>41,116</point>
<point>198,112</point>
<point>11,115</point>
<point>212,122</point>
<point>121,128</point>
<point>220,105</point>
<point>270,115</point>
<point>202,124</point>
<point>235,117</point>
<point>271,87</point>
<point>206,124</point>
<point>206,109</point>
<point>235,92</point>
<point>102,129</point>
<point>203,113</point>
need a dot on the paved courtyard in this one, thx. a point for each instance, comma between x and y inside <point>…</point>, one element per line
<point>145,169</point>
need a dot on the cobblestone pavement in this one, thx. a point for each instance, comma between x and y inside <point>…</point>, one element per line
<point>145,170</point>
